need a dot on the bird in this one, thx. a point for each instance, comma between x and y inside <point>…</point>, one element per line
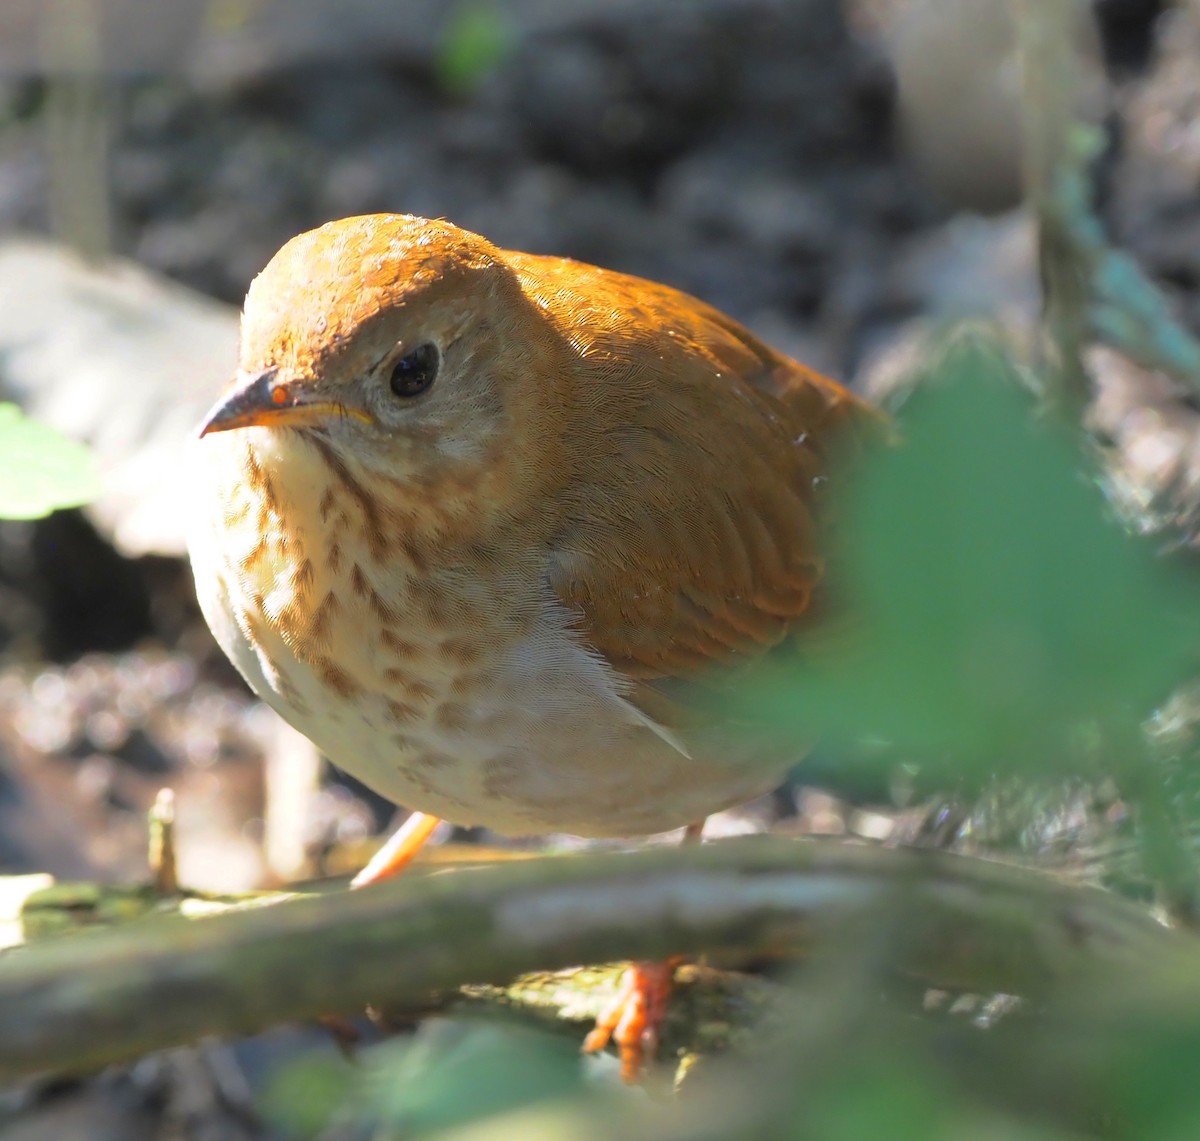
<point>496,531</point>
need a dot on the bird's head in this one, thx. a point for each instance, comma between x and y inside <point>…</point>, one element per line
<point>402,344</point>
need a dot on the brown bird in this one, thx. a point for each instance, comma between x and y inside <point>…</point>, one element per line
<point>492,525</point>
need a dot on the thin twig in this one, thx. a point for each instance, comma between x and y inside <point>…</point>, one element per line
<point>1049,93</point>
<point>164,873</point>
<point>1092,289</point>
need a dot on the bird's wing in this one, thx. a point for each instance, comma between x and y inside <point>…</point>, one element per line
<point>691,543</point>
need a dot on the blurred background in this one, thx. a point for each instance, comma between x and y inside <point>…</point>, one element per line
<point>842,175</point>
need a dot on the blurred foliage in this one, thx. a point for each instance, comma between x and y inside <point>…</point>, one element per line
<point>452,1073</point>
<point>476,40</point>
<point>1003,621</point>
<point>41,470</point>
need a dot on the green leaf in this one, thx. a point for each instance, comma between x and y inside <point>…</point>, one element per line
<point>898,1091</point>
<point>306,1095</point>
<point>40,471</point>
<point>451,1072</point>
<point>461,1071</point>
<point>476,40</point>
<point>997,610</point>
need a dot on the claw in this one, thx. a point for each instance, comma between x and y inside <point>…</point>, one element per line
<point>634,1018</point>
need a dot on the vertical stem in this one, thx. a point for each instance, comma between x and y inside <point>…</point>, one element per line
<point>164,873</point>
<point>1047,31</point>
<point>1166,854</point>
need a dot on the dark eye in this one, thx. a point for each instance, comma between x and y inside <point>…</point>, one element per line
<point>413,373</point>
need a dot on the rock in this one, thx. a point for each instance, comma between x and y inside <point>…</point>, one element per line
<point>123,360</point>
<point>1152,432</point>
<point>971,267</point>
<point>958,79</point>
<point>1155,207</point>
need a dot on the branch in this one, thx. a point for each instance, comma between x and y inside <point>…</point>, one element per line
<point>100,997</point>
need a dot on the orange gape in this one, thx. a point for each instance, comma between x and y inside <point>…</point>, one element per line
<point>485,515</point>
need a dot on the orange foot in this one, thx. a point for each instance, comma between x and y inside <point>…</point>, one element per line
<point>635,1016</point>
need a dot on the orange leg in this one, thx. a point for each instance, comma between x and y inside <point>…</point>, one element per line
<point>399,851</point>
<point>635,1016</point>
<point>633,1019</point>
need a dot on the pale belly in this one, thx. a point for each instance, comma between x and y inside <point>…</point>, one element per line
<point>540,742</point>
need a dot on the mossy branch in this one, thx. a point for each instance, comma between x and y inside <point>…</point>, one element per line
<point>75,1002</point>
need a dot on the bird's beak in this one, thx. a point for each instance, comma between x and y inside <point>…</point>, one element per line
<point>263,400</point>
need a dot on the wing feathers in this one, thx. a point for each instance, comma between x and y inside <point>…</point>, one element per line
<point>691,543</point>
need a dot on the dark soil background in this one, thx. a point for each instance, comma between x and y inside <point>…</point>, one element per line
<point>838,175</point>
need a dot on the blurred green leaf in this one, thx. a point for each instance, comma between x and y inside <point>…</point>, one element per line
<point>1154,1076</point>
<point>1121,1048</point>
<point>450,1073</point>
<point>477,38</point>
<point>461,1071</point>
<point>997,608</point>
<point>304,1096</point>
<point>40,471</point>
<point>880,1096</point>
<point>904,1095</point>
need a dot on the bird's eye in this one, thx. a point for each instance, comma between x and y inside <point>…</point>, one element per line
<point>415,372</point>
